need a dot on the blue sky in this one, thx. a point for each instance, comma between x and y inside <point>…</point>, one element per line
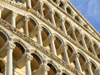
<point>90,9</point>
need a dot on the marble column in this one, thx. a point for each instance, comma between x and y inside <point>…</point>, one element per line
<point>52,17</point>
<point>73,33</point>
<point>65,48</point>
<point>53,48</point>
<point>41,8</point>
<point>89,68</point>
<point>83,41</point>
<point>29,57</point>
<point>63,26</point>
<point>9,70</point>
<point>1,9</point>
<point>39,28</point>
<point>13,22</point>
<point>45,69</point>
<point>28,3</point>
<point>78,63</point>
<point>26,31</point>
<point>93,50</point>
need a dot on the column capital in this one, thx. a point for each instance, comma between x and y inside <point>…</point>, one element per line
<point>14,14</point>
<point>52,37</point>
<point>28,56</point>
<point>39,28</point>
<point>41,3</point>
<point>76,55</point>
<point>62,19</point>
<point>73,28</point>
<point>26,19</point>
<point>11,45</point>
<point>65,46</point>
<point>82,35</point>
<point>58,72</point>
<point>52,11</point>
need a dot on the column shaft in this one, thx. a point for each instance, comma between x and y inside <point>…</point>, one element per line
<point>66,56</point>
<point>53,46</point>
<point>45,73</point>
<point>84,44</point>
<point>26,26</point>
<point>40,37</point>
<point>9,62</point>
<point>28,3</point>
<point>90,70</point>
<point>52,18</point>
<point>41,9</point>
<point>78,64</point>
<point>13,22</point>
<point>63,27</point>
<point>28,67</point>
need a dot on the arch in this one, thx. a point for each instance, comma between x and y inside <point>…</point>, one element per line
<point>82,59</point>
<point>36,61</point>
<point>45,33</point>
<point>77,19</point>
<point>69,11</point>
<point>18,51</point>
<point>57,17</point>
<point>3,39</point>
<point>34,2</point>
<point>31,25</point>
<point>46,8</point>
<point>58,41</point>
<point>61,4</point>
<point>67,24</point>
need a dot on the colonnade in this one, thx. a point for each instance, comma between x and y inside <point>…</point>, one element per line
<point>87,44</point>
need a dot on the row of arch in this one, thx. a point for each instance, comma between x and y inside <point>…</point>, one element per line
<point>19,51</point>
<point>46,10</point>
<point>33,29</point>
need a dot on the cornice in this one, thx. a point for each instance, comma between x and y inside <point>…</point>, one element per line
<point>52,26</point>
<point>37,46</point>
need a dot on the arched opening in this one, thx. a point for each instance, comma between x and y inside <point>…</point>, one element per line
<point>18,52</point>
<point>56,17</point>
<point>3,40</point>
<point>31,27</point>
<point>35,63</point>
<point>61,4</point>
<point>45,38</point>
<point>57,42</point>
<point>46,9</point>
<point>77,19</point>
<point>6,15</point>
<point>69,11</point>
<point>33,3</point>
<point>52,69</point>
<point>2,67</point>
<point>81,59</point>
<point>67,25</point>
<point>45,34</point>
<point>20,23</point>
<point>93,67</point>
<point>69,52</point>
<point>64,74</point>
